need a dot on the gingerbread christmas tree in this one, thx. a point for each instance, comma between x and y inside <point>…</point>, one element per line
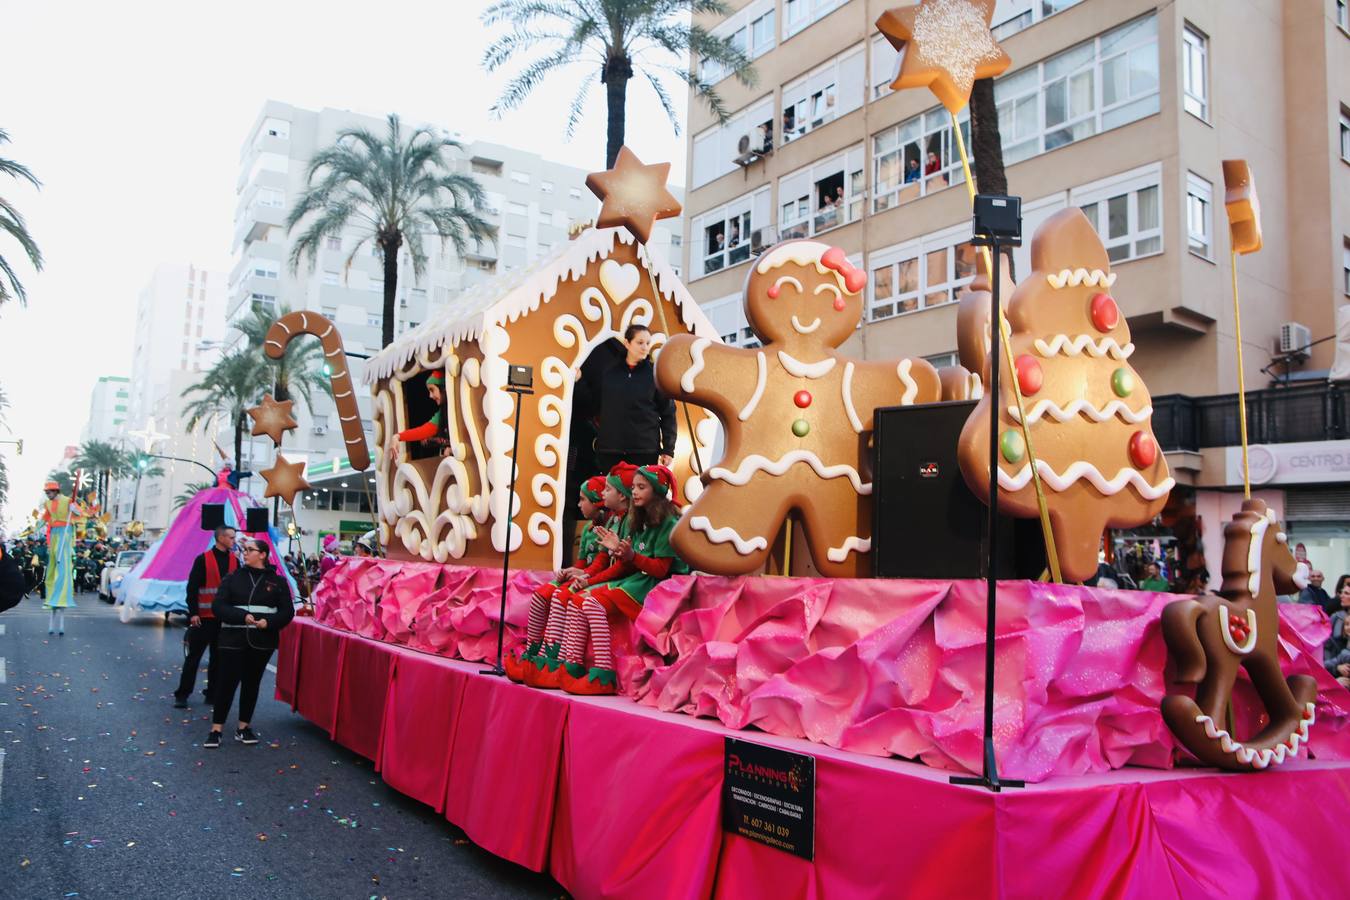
<point>1088,411</point>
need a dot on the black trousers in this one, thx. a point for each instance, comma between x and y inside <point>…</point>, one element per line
<point>199,640</point>
<point>606,461</point>
<point>242,668</point>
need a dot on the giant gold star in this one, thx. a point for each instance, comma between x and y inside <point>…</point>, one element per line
<point>272,418</point>
<point>1242,206</point>
<point>633,195</point>
<point>945,45</point>
<point>285,479</point>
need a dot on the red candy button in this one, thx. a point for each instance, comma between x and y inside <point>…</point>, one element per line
<point>1029,375</point>
<point>1143,451</point>
<point>1105,313</point>
<point>802,399</point>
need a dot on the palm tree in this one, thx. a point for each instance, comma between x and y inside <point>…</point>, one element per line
<point>190,491</point>
<point>987,147</point>
<point>228,389</point>
<point>64,480</point>
<point>300,369</point>
<point>398,189</point>
<point>105,463</point>
<point>622,37</point>
<point>12,223</point>
<point>4,473</point>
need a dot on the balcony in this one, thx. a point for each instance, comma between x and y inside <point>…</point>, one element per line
<point>256,220</point>
<point>1309,412</point>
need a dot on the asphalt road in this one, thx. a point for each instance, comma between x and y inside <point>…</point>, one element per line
<point>105,790</point>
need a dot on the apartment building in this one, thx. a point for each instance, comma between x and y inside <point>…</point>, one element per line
<point>108,409</point>
<point>532,201</point>
<point>1123,108</point>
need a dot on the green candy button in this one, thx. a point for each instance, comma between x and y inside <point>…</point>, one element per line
<point>801,428</point>
<point>1012,446</point>
<point>1122,382</point>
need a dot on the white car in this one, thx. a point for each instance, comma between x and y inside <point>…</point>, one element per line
<point>114,572</point>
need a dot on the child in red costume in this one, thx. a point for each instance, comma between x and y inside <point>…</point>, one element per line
<point>643,557</point>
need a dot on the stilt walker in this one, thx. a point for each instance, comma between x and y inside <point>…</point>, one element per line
<point>57,512</point>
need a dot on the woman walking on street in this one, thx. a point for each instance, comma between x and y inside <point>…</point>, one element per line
<point>252,605</point>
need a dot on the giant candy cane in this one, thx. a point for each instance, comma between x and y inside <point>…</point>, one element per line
<point>281,333</point>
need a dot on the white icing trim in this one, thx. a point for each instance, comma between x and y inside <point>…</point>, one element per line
<point>851,544</point>
<point>755,463</point>
<point>847,391</point>
<point>695,364</point>
<point>798,327</point>
<point>788,279</point>
<point>1064,414</point>
<point>911,386</point>
<point>1259,759</point>
<point>1062,343</point>
<point>728,535</point>
<point>800,252</point>
<point>806,370</point>
<point>1254,551</point>
<point>1075,277</point>
<point>760,381</point>
<point>1083,469</point>
<point>1246,647</point>
<point>832,288</point>
<point>976,386</point>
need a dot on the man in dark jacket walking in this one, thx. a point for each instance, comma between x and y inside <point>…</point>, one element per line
<point>208,571</point>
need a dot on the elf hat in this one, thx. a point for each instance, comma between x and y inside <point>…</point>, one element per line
<point>662,481</point>
<point>621,478</point>
<point>436,379</point>
<point>593,489</point>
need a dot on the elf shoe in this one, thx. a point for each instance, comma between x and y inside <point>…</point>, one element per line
<point>517,668</point>
<point>596,683</point>
<point>532,651</point>
<point>549,675</point>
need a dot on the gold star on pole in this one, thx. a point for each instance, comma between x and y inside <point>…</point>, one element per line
<point>945,45</point>
<point>272,418</point>
<point>633,195</point>
<point>285,479</point>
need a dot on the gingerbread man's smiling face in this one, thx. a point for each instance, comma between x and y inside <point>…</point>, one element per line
<point>804,294</point>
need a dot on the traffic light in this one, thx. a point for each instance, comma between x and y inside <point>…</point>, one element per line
<point>327,370</point>
<point>143,463</point>
<point>20,446</point>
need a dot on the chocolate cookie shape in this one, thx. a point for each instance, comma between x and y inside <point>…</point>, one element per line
<point>797,416</point>
<point>1087,410</point>
<point>1209,638</point>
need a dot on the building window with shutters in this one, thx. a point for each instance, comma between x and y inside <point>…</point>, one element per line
<point>722,149</point>
<point>822,196</point>
<point>920,274</point>
<point>1126,211</point>
<point>916,158</point>
<point>730,235</point>
<point>1195,72</point>
<point>750,30</point>
<point>1199,216</point>
<point>821,96</point>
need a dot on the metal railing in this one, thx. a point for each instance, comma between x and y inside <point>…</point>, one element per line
<point>1311,412</point>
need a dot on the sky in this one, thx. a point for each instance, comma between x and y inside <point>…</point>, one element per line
<point>133,114</point>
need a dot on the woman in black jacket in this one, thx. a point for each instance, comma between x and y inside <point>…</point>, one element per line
<point>636,421</point>
<point>252,606</point>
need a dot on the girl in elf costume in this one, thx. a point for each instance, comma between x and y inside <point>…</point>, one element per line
<point>644,557</point>
<point>593,511</point>
<point>563,606</point>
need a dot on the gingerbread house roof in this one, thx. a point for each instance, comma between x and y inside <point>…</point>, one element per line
<point>512,295</point>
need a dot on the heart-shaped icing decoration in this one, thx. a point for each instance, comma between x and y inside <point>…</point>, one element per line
<point>620,280</point>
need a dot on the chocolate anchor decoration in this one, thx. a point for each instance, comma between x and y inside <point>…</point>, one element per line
<point>281,333</point>
<point>1210,637</point>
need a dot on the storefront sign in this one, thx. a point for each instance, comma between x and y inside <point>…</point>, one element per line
<point>1309,462</point>
<point>769,796</point>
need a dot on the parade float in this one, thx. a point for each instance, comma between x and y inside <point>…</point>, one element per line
<point>786,734</point>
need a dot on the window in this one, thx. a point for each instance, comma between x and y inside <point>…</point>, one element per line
<point>574,193</point>
<point>750,31</point>
<point>797,14</point>
<point>332,243</point>
<point>834,89</point>
<point>941,360</point>
<point>270,197</point>
<point>921,274</point>
<point>330,277</point>
<point>119,408</point>
<point>727,315</point>
<point>519,209</point>
<point>268,300</point>
<point>1194,72</point>
<point>1101,84</point>
<point>520,177</point>
<point>1199,216</point>
<point>1011,16</point>
<point>884,65</point>
<point>916,157</point>
<point>266,268</point>
<point>1343,14</point>
<point>717,149</point>
<point>1345,134</point>
<point>677,240</point>
<point>729,235</point>
<point>1126,211</point>
<point>1345,268</point>
<point>822,196</point>
<point>545,187</point>
<point>329,312</point>
<point>375,320</point>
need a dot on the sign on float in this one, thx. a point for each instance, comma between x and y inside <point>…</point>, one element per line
<point>769,796</point>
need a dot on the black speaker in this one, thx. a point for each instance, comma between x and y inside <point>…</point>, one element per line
<point>926,523</point>
<point>255,519</point>
<point>213,516</point>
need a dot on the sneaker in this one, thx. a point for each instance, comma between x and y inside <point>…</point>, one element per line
<point>212,741</point>
<point>179,703</point>
<point>245,735</point>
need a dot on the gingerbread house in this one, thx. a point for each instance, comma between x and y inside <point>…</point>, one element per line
<point>453,503</point>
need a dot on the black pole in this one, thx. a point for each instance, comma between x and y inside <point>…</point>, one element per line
<point>194,462</point>
<point>497,668</point>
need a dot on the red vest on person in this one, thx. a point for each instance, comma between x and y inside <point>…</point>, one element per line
<point>207,594</point>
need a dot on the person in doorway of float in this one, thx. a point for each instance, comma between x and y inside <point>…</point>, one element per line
<point>637,421</point>
<point>253,605</point>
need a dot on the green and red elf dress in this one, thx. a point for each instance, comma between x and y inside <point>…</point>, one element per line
<point>653,559</point>
<point>432,427</point>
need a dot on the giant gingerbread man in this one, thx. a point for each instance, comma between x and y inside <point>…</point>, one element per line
<point>797,416</point>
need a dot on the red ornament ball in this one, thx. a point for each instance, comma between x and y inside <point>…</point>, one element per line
<point>1105,313</point>
<point>802,399</point>
<point>1143,450</point>
<point>1030,376</point>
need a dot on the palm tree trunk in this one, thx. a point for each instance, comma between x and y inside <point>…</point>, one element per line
<point>987,145</point>
<point>389,245</point>
<point>615,75</point>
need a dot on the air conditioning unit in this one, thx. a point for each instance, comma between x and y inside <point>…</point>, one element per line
<point>1294,339</point>
<point>320,429</point>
